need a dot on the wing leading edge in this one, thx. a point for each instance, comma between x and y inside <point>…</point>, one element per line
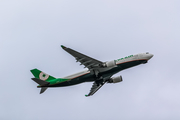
<point>85,60</point>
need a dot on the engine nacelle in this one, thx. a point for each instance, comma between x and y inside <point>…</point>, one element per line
<point>110,64</point>
<point>115,79</point>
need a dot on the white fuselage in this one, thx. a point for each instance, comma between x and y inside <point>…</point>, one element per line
<point>136,57</point>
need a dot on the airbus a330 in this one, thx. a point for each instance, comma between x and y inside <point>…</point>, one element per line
<point>98,72</point>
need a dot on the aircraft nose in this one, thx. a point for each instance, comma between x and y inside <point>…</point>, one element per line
<point>150,56</point>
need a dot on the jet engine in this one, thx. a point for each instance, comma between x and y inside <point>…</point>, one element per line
<point>110,64</point>
<point>115,79</point>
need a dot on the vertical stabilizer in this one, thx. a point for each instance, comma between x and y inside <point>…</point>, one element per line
<point>41,75</point>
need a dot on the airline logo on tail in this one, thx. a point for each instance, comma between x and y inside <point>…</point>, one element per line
<point>43,76</point>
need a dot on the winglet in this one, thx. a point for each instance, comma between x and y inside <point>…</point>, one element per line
<point>63,47</point>
<point>86,95</point>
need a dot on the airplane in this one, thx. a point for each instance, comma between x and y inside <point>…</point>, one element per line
<point>98,72</point>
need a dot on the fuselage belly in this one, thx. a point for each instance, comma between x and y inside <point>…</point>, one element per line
<point>90,78</point>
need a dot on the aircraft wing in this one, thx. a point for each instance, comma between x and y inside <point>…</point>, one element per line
<point>85,60</point>
<point>95,88</point>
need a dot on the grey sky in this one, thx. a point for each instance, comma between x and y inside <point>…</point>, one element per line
<point>32,31</point>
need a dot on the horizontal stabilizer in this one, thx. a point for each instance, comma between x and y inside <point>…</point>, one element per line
<point>43,89</point>
<point>40,82</point>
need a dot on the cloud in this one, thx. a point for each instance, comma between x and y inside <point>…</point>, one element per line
<point>31,35</point>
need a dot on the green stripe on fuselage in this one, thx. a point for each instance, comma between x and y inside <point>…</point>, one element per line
<point>56,81</point>
<point>73,81</point>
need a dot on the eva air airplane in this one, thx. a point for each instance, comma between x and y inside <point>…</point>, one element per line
<point>98,72</point>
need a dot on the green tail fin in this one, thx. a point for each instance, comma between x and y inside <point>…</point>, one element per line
<point>41,75</point>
